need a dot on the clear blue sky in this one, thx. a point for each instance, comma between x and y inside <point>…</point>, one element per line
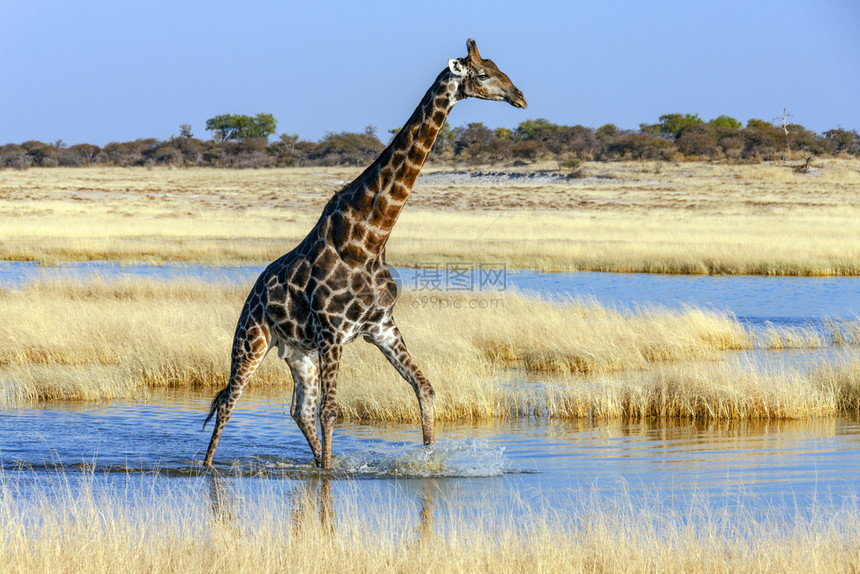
<point>101,71</point>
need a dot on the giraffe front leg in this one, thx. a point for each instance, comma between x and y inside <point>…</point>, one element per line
<point>329,353</point>
<point>390,342</point>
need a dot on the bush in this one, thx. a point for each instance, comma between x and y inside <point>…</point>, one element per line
<point>41,154</point>
<point>765,142</point>
<point>842,141</point>
<point>577,140</point>
<point>638,146</point>
<point>79,155</point>
<point>697,144</point>
<point>15,157</point>
<point>346,148</point>
<point>528,150</point>
<point>127,153</point>
<point>473,141</point>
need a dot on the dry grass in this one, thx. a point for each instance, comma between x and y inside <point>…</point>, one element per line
<point>630,217</point>
<point>729,390</point>
<point>163,528</point>
<point>102,340</point>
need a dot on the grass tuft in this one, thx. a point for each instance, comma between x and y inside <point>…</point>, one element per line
<point>524,356</point>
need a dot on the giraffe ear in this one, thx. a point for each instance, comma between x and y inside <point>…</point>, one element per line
<point>456,66</point>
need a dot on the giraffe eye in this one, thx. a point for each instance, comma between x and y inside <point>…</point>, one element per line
<point>483,76</point>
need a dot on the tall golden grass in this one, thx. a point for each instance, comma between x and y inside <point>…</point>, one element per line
<point>164,528</point>
<point>624,217</point>
<point>100,340</point>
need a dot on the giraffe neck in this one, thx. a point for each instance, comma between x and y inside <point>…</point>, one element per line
<point>366,210</point>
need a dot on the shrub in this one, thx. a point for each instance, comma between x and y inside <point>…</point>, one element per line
<point>473,142</point>
<point>842,141</point>
<point>576,140</point>
<point>346,148</point>
<point>14,156</point>
<point>41,154</point>
<point>528,150</point>
<point>697,144</point>
<point>127,153</point>
<point>639,146</point>
<point>763,141</point>
<point>81,154</point>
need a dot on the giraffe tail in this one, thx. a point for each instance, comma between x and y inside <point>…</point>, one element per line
<point>219,398</point>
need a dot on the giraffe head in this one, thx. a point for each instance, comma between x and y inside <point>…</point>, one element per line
<point>480,78</point>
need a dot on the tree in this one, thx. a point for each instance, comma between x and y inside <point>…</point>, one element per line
<point>783,122</point>
<point>289,141</point>
<point>185,131</point>
<point>756,123</point>
<point>473,140</point>
<point>725,121</point>
<point>540,129</point>
<point>226,127</point>
<point>504,134</point>
<point>674,124</point>
<point>606,131</point>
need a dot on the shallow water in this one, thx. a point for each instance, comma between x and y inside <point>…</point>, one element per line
<point>530,463</point>
<point>471,465</point>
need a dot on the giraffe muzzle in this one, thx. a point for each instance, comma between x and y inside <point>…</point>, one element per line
<point>517,99</point>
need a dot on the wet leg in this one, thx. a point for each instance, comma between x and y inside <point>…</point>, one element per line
<point>250,346</point>
<point>303,407</point>
<point>390,342</point>
<point>330,351</point>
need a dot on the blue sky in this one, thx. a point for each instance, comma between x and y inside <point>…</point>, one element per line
<point>101,71</point>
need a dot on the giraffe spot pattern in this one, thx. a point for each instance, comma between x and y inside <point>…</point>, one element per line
<point>335,286</point>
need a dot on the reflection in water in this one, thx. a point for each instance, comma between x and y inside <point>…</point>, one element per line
<point>312,503</point>
<point>476,461</point>
<point>221,498</point>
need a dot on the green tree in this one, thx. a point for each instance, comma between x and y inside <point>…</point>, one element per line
<point>606,131</point>
<point>540,129</point>
<point>674,124</point>
<point>226,127</point>
<point>756,123</point>
<point>726,122</point>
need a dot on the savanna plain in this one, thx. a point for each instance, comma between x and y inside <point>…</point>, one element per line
<point>525,357</point>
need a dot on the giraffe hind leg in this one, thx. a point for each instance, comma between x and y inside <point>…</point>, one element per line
<point>249,348</point>
<point>303,407</point>
<point>219,398</point>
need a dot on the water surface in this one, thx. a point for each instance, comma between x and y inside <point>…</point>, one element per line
<point>497,463</point>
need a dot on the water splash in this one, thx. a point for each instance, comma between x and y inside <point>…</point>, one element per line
<point>444,458</point>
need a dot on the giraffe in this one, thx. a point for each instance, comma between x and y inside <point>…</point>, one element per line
<point>335,285</point>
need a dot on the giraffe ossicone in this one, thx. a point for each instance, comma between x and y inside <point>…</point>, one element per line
<point>335,285</point>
